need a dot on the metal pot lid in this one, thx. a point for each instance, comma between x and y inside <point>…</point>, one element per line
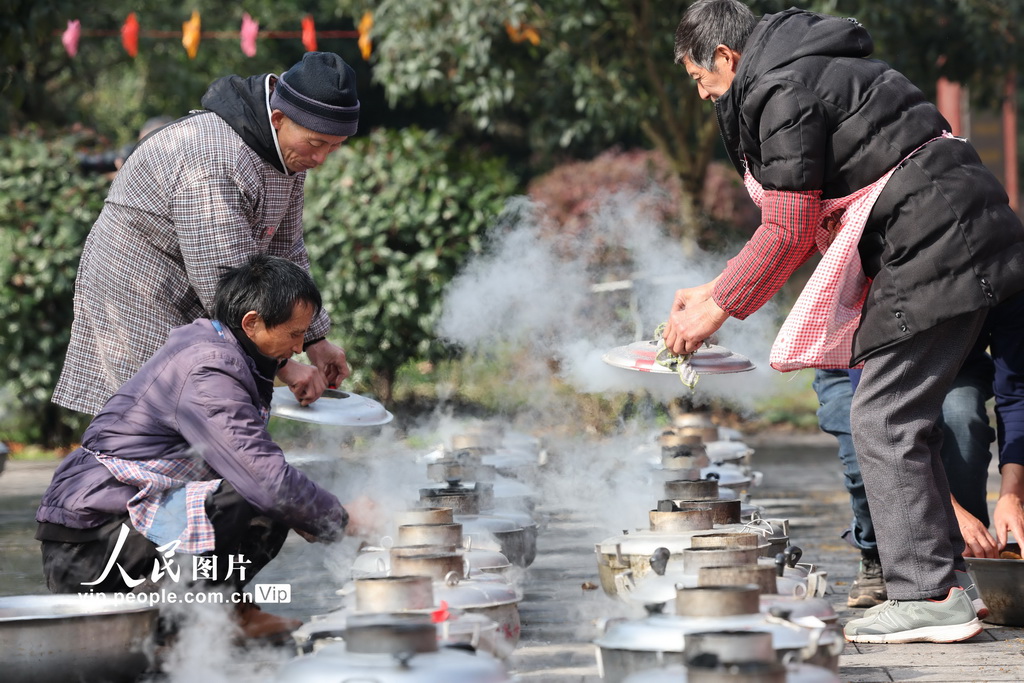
<point>666,632</point>
<point>485,524</point>
<point>710,359</point>
<point>337,408</point>
<point>727,475</point>
<point>795,673</point>
<point>369,563</point>
<point>644,541</point>
<point>523,520</point>
<point>333,663</point>
<point>723,451</point>
<point>333,624</point>
<point>477,592</point>
<point>800,607</point>
<point>17,608</point>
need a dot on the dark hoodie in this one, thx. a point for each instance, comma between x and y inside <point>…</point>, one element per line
<point>809,111</point>
<point>243,103</point>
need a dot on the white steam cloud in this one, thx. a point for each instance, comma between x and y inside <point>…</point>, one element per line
<point>554,297</point>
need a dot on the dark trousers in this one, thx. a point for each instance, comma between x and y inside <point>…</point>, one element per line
<point>898,437</point>
<point>238,530</point>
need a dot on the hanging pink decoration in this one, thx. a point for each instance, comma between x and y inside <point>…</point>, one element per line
<point>130,35</point>
<point>309,33</point>
<point>70,37</point>
<point>250,30</point>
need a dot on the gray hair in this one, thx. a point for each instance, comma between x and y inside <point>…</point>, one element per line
<point>708,24</point>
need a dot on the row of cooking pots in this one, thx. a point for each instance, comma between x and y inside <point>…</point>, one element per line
<point>433,604</point>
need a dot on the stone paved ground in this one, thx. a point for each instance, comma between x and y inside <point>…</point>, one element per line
<point>802,482</point>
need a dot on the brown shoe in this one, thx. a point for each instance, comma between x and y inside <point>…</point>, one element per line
<point>257,624</point>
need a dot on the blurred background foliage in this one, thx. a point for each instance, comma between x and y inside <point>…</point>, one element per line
<point>465,104</point>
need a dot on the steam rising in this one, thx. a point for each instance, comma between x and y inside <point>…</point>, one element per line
<point>538,291</point>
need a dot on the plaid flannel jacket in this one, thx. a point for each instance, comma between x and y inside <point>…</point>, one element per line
<point>190,201</point>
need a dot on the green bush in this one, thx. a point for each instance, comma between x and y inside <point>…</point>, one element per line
<point>47,208</point>
<point>389,220</point>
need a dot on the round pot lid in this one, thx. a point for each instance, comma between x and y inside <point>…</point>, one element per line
<point>722,451</point>
<point>666,632</point>
<point>338,408</point>
<point>708,360</point>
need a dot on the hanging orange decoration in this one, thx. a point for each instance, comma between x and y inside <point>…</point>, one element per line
<point>70,37</point>
<point>250,30</point>
<point>190,32</point>
<point>309,33</point>
<point>130,35</point>
<point>365,42</point>
<point>522,33</point>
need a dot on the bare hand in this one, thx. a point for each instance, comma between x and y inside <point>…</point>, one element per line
<point>364,518</point>
<point>695,316</point>
<point>331,361</point>
<point>305,381</point>
<point>1009,518</point>
<point>977,539</point>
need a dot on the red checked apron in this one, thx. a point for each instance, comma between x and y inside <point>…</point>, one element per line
<point>818,332</point>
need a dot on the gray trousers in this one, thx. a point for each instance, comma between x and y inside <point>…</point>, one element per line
<point>893,417</point>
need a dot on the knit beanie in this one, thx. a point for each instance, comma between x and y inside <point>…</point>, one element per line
<point>319,93</point>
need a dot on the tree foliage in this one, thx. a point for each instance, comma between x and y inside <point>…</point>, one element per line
<point>389,219</point>
<point>599,72</point>
<point>49,208</point>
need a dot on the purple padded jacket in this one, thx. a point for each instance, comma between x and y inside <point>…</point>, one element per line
<point>200,395</point>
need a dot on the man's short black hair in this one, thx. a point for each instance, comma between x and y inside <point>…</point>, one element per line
<point>269,285</point>
<point>708,24</point>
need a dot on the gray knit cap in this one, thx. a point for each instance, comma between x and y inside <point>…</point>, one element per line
<point>319,93</point>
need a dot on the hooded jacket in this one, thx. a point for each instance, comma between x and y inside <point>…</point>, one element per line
<point>201,395</point>
<point>814,119</point>
<point>197,196</point>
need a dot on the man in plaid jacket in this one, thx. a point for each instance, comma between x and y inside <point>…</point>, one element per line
<point>198,196</point>
<point>810,118</point>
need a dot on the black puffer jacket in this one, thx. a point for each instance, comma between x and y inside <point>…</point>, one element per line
<point>809,111</point>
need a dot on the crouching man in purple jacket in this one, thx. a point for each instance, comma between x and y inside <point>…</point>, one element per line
<point>179,460</point>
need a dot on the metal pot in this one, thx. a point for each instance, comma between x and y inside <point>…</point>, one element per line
<point>622,561</point>
<point>54,638</point>
<point>658,640</point>
<point>669,518</point>
<point>426,515</point>
<point>795,673</point>
<point>718,539</point>
<point>762,576</point>
<point>430,534</point>
<point>489,596</point>
<point>1001,586</point>
<point>425,561</point>
<point>724,511</point>
<point>454,468</point>
<point>334,663</point>
<point>688,489</point>
<point>394,593</point>
<point>503,534</point>
<point>461,498</point>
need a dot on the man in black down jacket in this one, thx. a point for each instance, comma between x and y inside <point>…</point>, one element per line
<point>812,118</point>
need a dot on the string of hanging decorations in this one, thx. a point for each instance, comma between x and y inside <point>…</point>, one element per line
<point>192,34</point>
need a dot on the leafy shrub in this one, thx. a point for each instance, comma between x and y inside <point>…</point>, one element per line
<point>48,207</point>
<point>389,220</point>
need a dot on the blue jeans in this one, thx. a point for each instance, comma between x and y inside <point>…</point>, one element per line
<point>835,394</point>
<point>966,442</point>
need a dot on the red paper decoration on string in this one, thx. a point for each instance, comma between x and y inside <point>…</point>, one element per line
<point>309,33</point>
<point>130,35</point>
